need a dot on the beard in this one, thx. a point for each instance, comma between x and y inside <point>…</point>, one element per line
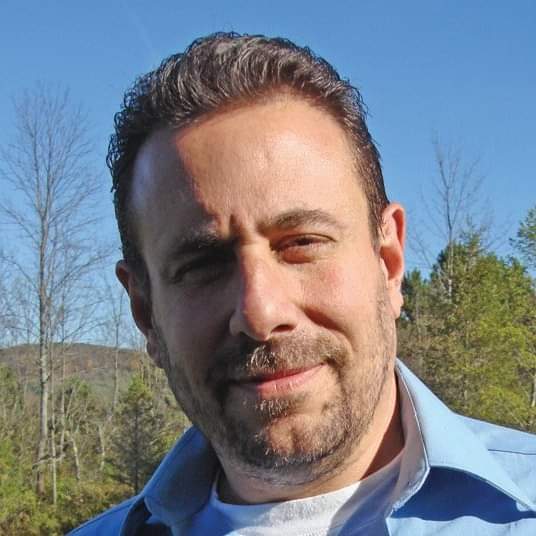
<point>312,448</point>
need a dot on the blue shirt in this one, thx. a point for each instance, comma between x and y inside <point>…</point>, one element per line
<point>466,477</point>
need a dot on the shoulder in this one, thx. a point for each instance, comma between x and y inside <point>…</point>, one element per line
<point>108,522</point>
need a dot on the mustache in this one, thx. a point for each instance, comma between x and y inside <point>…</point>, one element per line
<point>249,359</point>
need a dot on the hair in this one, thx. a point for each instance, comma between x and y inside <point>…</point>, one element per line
<point>224,70</point>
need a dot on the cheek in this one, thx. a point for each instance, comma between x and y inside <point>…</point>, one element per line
<point>342,298</point>
<point>190,329</point>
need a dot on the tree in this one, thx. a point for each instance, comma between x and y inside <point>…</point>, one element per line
<point>115,326</point>
<point>455,208</point>
<point>415,322</point>
<point>480,334</point>
<point>51,213</point>
<point>525,242</point>
<point>138,441</point>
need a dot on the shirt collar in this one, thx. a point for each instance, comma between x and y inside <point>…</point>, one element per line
<point>449,443</point>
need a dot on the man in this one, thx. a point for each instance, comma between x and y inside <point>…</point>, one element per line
<point>264,263</point>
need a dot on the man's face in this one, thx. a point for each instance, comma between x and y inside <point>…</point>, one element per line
<point>271,311</point>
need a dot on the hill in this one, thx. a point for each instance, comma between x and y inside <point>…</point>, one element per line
<point>91,363</point>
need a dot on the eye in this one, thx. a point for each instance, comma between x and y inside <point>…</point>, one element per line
<point>202,270</point>
<point>303,248</point>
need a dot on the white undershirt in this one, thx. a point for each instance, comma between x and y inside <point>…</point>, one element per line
<point>366,501</point>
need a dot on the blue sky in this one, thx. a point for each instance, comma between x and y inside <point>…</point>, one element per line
<point>462,70</point>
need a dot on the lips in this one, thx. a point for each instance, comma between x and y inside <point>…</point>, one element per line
<point>279,382</point>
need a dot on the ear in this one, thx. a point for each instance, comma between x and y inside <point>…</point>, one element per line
<point>140,307</point>
<point>392,252</point>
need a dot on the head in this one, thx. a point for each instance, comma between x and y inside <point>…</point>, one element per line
<point>262,259</point>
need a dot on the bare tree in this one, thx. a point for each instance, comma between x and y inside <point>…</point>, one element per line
<point>52,213</point>
<point>455,208</point>
<point>114,327</point>
<point>5,306</point>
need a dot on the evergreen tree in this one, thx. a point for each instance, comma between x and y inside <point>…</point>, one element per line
<point>139,440</point>
<point>525,242</point>
<point>414,325</point>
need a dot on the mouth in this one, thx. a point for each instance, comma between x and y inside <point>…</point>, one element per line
<point>280,382</point>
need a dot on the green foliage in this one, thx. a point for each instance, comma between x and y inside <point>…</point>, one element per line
<point>137,442</point>
<point>97,485</point>
<point>143,431</point>
<point>525,242</point>
<point>78,502</point>
<point>472,337</point>
<point>20,510</point>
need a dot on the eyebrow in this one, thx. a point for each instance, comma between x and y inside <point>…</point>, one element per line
<point>197,241</point>
<point>293,218</point>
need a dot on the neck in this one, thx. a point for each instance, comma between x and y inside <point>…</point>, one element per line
<point>380,444</point>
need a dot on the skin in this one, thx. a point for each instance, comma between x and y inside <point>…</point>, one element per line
<point>271,310</point>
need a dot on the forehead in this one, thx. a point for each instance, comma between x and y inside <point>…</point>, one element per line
<point>245,163</point>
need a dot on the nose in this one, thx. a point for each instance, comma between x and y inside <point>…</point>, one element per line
<point>263,298</point>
